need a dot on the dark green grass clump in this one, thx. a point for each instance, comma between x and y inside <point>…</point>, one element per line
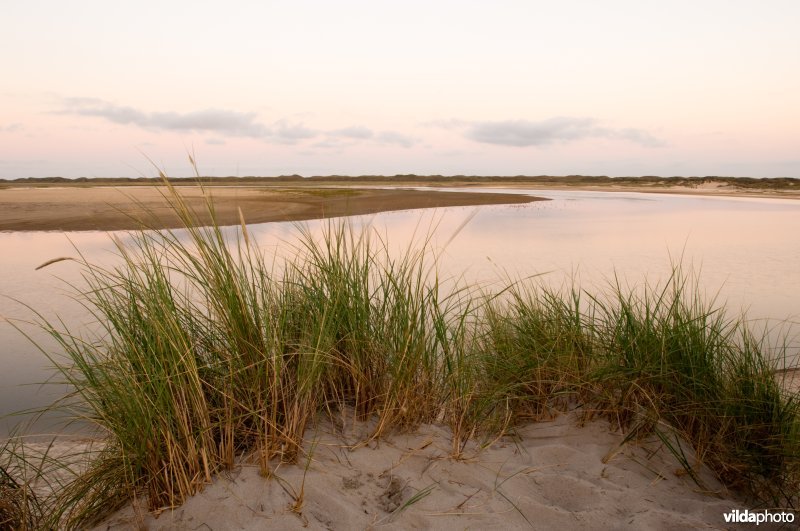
<point>668,363</point>
<point>208,353</point>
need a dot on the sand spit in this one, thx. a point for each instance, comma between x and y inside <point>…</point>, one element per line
<point>551,475</point>
<point>119,208</point>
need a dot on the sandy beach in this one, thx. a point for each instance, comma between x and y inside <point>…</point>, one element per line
<point>564,473</point>
<point>550,475</point>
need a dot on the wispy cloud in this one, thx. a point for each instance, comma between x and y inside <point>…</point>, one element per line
<point>452,123</point>
<point>11,128</point>
<point>358,132</point>
<point>393,137</point>
<point>637,135</point>
<point>218,121</point>
<point>223,124</point>
<point>346,136</point>
<point>329,144</point>
<point>524,133</point>
<point>288,133</point>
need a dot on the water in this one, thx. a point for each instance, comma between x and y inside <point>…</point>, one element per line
<point>746,250</point>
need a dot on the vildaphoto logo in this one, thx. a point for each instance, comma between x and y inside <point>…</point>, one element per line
<point>758,517</point>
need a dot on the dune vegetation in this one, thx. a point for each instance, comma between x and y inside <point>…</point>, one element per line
<point>207,352</point>
<point>754,183</point>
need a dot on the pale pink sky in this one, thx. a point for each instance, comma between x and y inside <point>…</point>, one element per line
<point>706,87</point>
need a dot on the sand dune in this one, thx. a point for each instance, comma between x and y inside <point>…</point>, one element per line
<point>552,475</point>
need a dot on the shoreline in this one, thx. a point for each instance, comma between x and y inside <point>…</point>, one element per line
<point>107,207</point>
<point>706,191</point>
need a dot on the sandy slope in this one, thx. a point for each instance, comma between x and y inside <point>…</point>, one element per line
<point>554,475</point>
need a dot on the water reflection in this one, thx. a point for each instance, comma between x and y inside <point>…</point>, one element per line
<point>746,250</point>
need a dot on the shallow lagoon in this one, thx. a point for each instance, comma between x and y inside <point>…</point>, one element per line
<point>747,253</point>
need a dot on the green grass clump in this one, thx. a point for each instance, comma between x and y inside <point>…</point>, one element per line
<point>206,353</point>
<point>666,357</point>
<point>538,353</point>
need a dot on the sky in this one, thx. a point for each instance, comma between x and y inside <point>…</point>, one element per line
<point>501,87</point>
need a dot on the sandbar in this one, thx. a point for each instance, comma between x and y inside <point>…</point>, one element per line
<point>74,208</point>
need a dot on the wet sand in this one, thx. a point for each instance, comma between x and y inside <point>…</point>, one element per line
<point>71,208</point>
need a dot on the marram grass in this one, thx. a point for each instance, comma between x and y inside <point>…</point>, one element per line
<point>207,352</point>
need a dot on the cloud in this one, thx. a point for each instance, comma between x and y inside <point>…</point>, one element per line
<point>452,123</point>
<point>523,133</point>
<point>392,137</point>
<point>287,133</point>
<point>11,128</point>
<point>638,136</point>
<point>223,124</point>
<point>356,131</point>
<point>218,121</point>
<point>328,144</point>
<point>351,135</point>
